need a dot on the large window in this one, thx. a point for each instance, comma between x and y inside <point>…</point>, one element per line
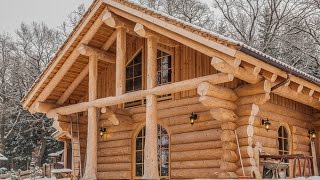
<point>134,73</point>
<point>163,152</point>
<point>283,140</point>
<point>163,68</point>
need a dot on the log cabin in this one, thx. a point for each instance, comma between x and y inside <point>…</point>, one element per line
<point>137,94</point>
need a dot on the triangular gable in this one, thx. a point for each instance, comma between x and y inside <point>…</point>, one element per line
<point>198,38</point>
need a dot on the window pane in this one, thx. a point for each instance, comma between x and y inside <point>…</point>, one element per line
<point>139,157</point>
<point>139,143</point>
<point>129,72</point>
<point>129,85</point>
<point>280,144</point>
<point>285,141</point>
<point>159,78</point>
<point>165,155</point>
<point>280,132</point>
<point>137,70</point>
<point>159,64</point>
<point>139,170</point>
<point>138,58</point>
<point>165,169</point>
<point>165,142</point>
<point>137,83</point>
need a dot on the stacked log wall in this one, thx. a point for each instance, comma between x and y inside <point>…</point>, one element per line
<point>195,150</point>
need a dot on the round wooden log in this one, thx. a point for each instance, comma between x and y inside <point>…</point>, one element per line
<point>195,146</point>
<point>299,131</point>
<point>166,105</point>
<point>228,167</point>
<point>251,89</point>
<point>302,152</point>
<point>185,119</point>
<point>115,151</point>
<point>248,120</point>
<point>182,110</point>
<point>207,173</point>
<point>196,136</point>
<point>285,111</point>
<point>223,115</point>
<point>228,136</point>
<point>111,144</point>
<point>246,152</point>
<point>265,141</point>
<point>264,133</point>
<point>114,167</point>
<point>301,147</point>
<point>114,159</point>
<point>281,118</point>
<point>227,175</point>
<point>272,151</point>
<point>118,135</point>
<point>247,110</point>
<point>114,175</point>
<point>247,162</point>
<point>246,141</point>
<point>249,171</point>
<point>213,102</point>
<point>229,146</point>
<point>207,154</point>
<point>136,95</point>
<point>207,89</point>
<point>197,126</point>
<point>253,99</point>
<point>228,126</point>
<point>195,164</point>
<point>300,139</point>
<point>229,156</point>
<point>245,131</point>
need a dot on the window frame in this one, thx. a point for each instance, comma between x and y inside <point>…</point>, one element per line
<point>142,68</point>
<point>134,157</point>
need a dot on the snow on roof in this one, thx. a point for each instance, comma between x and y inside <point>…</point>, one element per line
<point>248,49</point>
<point>55,154</point>
<point>3,158</point>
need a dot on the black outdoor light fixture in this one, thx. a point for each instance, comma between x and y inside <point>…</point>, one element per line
<point>266,123</point>
<point>102,130</point>
<point>193,118</point>
<point>312,134</point>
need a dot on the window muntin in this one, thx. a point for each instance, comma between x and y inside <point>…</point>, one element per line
<point>164,68</point>
<point>134,74</point>
<point>283,140</point>
<point>163,152</point>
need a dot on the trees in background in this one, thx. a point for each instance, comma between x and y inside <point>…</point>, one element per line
<point>22,59</point>
<point>288,30</point>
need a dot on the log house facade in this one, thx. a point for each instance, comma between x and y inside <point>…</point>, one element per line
<point>139,74</point>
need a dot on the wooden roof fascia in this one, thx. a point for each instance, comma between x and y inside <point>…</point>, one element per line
<point>64,48</point>
<point>194,37</point>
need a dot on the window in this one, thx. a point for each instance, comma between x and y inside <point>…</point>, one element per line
<point>163,68</point>
<point>163,152</point>
<point>283,140</point>
<point>134,74</point>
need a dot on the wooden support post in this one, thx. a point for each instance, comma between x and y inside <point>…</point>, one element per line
<point>65,154</point>
<point>92,145</point>
<point>150,149</point>
<point>121,61</point>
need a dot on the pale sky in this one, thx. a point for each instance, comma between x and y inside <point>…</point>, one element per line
<point>52,12</point>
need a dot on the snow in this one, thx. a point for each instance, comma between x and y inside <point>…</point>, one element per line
<point>55,154</point>
<point>3,158</point>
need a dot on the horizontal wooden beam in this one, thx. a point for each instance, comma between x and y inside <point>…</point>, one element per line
<point>64,69</point>
<point>240,73</point>
<point>41,107</point>
<point>101,54</point>
<point>287,92</point>
<point>133,96</point>
<point>145,33</point>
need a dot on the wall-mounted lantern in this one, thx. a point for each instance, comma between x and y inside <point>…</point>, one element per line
<point>193,118</point>
<point>312,134</point>
<point>266,123</point>
<point>102,131</point>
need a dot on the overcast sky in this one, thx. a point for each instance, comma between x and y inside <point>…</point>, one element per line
<point>52,12</point>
